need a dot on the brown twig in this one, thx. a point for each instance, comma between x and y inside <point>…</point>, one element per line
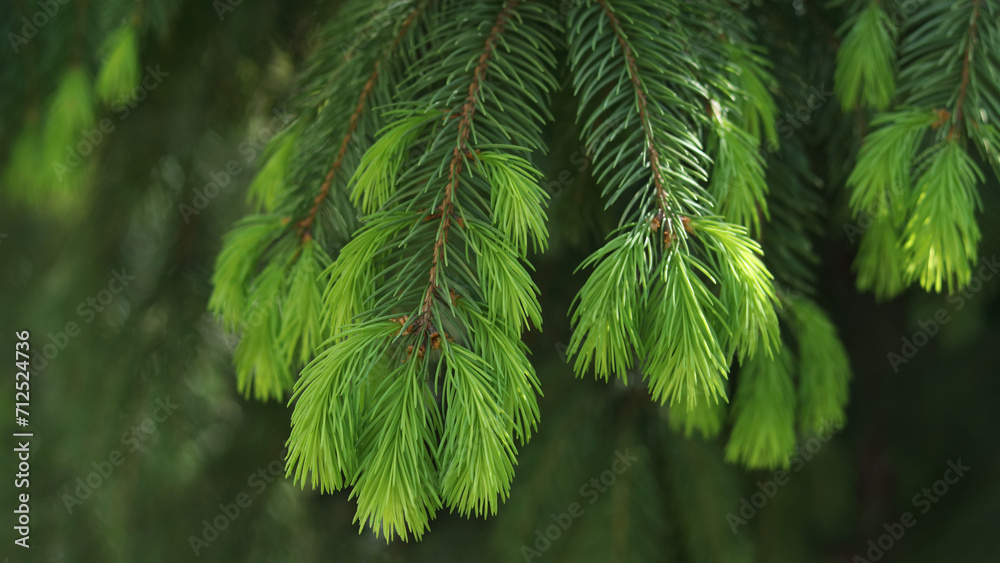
<point>640,94</point>
<point>964,87</point>
<point>305,225</point>
<point>459,154</point>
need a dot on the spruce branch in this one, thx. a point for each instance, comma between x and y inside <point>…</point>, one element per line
<point>763,435</point>
<point>684,357</point>
<point>464,116</point>
<point>824,370</point>
<point>652,153</point>
<point>450,209</point>
<point>648,293</point>
<point>930,233</point>
<point>963,88</point>
<point>305,225</point>
<point>865,73</point>
<point>397,489</point>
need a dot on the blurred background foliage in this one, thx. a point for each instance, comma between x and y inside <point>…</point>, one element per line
<point>225,68</point>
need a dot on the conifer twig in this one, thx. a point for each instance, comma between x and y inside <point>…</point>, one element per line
<point>305,225</point>
<point>640,94</point>
<point>966,61</point>
<point>459,154</point>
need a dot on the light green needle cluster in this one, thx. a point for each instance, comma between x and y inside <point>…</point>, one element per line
<point>678,290</point>
<point>683,355</point>
<point>374,180</point>
<point>738,183</point>
<point>398,487</point>
<point>607,309</point>
<point>268,187</point>
<point>505,283</point>
<point>427,302</point>
<point>353,275</point>
<point>235,267</point>
<point>477,444</point>
<point>329,400</point>
<point>866,74</point>
<point>749,297</point>
<point>517,198</point>
<point>915,180</point>
<point>824,370</point>
<point>941,235</point>
<point>301,327</point>
<point>278,314</point>
<point>120,71</point>
<point>261,369</point>
<point>881,180</point>
<point>763,434</point>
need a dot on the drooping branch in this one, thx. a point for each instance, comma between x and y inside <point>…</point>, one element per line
<point>459,154</point>
<point>640,95</point>
<point>305,225</point>
<point>966,63</point>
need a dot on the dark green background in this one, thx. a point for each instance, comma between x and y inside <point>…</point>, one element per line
<point>155,341</point>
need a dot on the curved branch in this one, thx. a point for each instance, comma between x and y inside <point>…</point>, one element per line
<point>459,153</point>
<point>966,62</point>
<point>305,225</point>
<point>640,96</point>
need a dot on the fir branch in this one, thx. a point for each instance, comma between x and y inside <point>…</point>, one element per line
<point>865,76</point>
<point>640,96</point>
<point>824,370</point>
<point>763,435</point>
<point>940,232</point>
<point>445,160</point>
<point>970,45</point>
<point>648,293</point>
<point>465,115</point>
<point>305,225</point>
